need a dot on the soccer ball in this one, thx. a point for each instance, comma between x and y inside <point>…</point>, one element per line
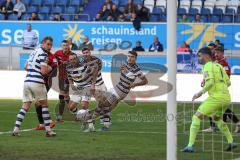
<point>82,115</point>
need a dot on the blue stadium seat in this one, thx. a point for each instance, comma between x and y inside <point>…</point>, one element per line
<point>26,2</point>
<point>32,9</point>
<point>44,10</point>
<point>62,2</point>
<point>123,2</point>
<point>204,18</point>
<point>227,19</point>
<point>42,16</point>
<point>51,17</point>
<point>205,11</point>
<point>214,19</point>
<point>57,9</point>
<point>81,18</point>
<point>157,10</point>
<point>163,18</point>
<point>217,11</point>
<point>181,11</point>
<point>71,10</point>
<point>12,17</point>
<point>36,2</point>
<point>237,19</point>
<point>116,2</point>
<point>154,18</point>
<point>67,17</point>
<point>193,11</point>
<point>48,2</point>
<point>26,17</point>
<point>2,17</point>
<point>138,1</point>
<point>75,2</point>
<point>230,11</point>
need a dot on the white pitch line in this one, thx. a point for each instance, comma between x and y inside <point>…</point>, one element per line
<point>75,130</point>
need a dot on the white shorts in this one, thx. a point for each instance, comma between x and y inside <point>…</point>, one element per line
<point>100,91</point>
<point>112,97</point>
<point>33,91</point>
<point>81,95</point>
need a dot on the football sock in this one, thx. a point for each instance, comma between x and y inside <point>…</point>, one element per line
<point>195,126</point>
<point>20,118</point>
<point>46,118</point>
<point>224,129</point>
<point>39,114</point>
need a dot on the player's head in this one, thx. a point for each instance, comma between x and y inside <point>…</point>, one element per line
<point>29,27</point>
<point>73,59</point>
<point>219,53</point>
<point>204,55</point>
<point>65,45</point>
<point>86,52</point>
<point>47,43</point>
<point>132,57</point>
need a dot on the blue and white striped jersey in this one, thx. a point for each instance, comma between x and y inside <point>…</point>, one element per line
<point>37,58</point>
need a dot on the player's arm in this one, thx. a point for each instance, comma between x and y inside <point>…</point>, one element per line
<point>44,67</point>
<point>226,78</point>
<point>143,81</point>
<point>26,65</point>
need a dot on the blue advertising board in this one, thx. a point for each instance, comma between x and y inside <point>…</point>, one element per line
<point>197,35</point>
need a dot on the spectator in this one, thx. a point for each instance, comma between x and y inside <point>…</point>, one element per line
<point>121,18</point>
<point>57,17</point>
<point>109,4</point>
<point>103,14</point>
<point>19,8</point>
<point>72,45</point>
<point>130,8</point>
<point>115,13</point>
<point>143,13</point>
<point>136,22</point>
<point>198,19</point>
<point>34,17</point>
<point>218,43</point>
<point>138,46</point>
<point>184,19</point>
<point>86,44</point>
<point>184,48</point>
<point>30,38</point>
<point>7,7</point>
<point>156,46</point>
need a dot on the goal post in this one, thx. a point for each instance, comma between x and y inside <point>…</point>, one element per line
<point>171,74</point>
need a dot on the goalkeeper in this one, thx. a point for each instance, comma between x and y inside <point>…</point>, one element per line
<point>216,84</point>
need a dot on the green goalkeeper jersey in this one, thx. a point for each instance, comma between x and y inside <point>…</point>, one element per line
<point>216,81</point>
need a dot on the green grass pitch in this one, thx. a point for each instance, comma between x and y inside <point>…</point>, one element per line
<point>137,133</point>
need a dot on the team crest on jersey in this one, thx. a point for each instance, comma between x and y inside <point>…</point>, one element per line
<point>77,78</point>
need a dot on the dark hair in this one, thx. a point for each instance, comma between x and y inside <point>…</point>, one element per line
<point>47,38</point>
<point>219,48</point>
<point>64,41</point>
<point>205,50</point>
<point>84,49</point>
<point>217,40</point>
<point>133,53</point>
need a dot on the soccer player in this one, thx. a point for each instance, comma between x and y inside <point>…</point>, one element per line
<point>128,74</point>
<point>216,84</point>
<point>48,83</point>
<point>62,57</point>
<point>83,76</point>
<point>219,58</point>
<point>34,86</point>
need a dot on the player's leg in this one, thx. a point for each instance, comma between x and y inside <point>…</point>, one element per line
<point>75,99</point>
<point>231,115</point>
<point>40,93</point>
<point>27,100</point>
<point>225,130</point>
<point>212,127</point>
<point>61,106</point>
<point>205,109</point>
<point>38,108</point>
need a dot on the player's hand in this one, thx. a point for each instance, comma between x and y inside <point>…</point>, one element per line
<point>74,88</point>
<point>196,96</point>
<point>133,85</point>
<point>92,89</point>
<point>123,69</point>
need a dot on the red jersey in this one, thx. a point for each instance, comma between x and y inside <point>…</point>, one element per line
<point>62,60</point>
<point>225,65</point>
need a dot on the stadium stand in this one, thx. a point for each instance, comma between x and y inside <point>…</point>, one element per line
<point>212,11</point>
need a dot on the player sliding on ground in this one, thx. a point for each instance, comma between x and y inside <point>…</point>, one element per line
<point>216,84</point>
<point>34,86</point>
<point>128,74</point>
